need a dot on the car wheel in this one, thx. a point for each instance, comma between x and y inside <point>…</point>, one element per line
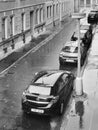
<point>61,108</point>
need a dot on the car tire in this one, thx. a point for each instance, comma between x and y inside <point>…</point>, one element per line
<point>61,108</point>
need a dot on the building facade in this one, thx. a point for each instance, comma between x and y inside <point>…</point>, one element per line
<point>80,4</point>
<point>88,3</point>
<point>20,20</point>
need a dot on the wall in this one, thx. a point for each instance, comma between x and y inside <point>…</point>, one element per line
<point>19,24</point>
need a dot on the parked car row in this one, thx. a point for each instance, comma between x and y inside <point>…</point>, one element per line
<point>49,90</point>
<point>69,53</point>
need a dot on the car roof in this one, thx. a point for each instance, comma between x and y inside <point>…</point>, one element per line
<point>81,33</point>
<point>72,43</point>
<point>83,30</point>
<point>50,77</point>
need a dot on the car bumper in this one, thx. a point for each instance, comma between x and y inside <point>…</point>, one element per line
<point>67,60</point>
<point>28,108</point>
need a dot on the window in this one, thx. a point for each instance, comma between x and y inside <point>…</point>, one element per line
<point>82,2</point>
<point>48,12</point>
<point>57,8</point>
<point>53,10</point>
<point>12,25</point>
<point>36,17</point>
<point>4,28</point>
<point>40,15</point>
<point>88,2</point>
<point>23,21</point>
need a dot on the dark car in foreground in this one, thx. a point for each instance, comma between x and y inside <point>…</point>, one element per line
<point>48,92</point>
<point>69,53</point>
<point>93,17</point>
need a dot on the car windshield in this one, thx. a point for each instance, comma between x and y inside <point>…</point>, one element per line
<point>82,33</point>
<point>39,90</point>
<point>72,49</point>
<point>48,79</point>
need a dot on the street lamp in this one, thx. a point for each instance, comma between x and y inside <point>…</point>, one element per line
<point>78,82</point>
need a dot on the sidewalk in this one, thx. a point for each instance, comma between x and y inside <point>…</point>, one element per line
<point>84,113</point>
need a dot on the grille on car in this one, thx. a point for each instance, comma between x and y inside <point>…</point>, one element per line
<point>37,101</point>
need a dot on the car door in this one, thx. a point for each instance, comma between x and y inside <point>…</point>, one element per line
<point>61,89</point>
<point>70,83</point>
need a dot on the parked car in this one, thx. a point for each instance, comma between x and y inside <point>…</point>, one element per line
<point>85,35</point>
<point>93,17</point>
<point>91,26</point>
<point>88,31</point>
<point>48,92</point>
<point>69,53</point>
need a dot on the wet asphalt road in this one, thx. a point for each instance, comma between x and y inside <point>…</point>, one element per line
<point>18,77</point>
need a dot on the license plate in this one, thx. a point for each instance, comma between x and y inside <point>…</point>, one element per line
<point>37,110</point>
<point>68,60</point>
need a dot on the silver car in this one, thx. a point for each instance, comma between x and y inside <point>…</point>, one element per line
<point>69,53</point>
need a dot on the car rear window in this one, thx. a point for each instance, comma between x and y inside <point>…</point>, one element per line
<point>71,49</point>
<point>66,49</point>
<point>39,90</point>
<point>48,79</point>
